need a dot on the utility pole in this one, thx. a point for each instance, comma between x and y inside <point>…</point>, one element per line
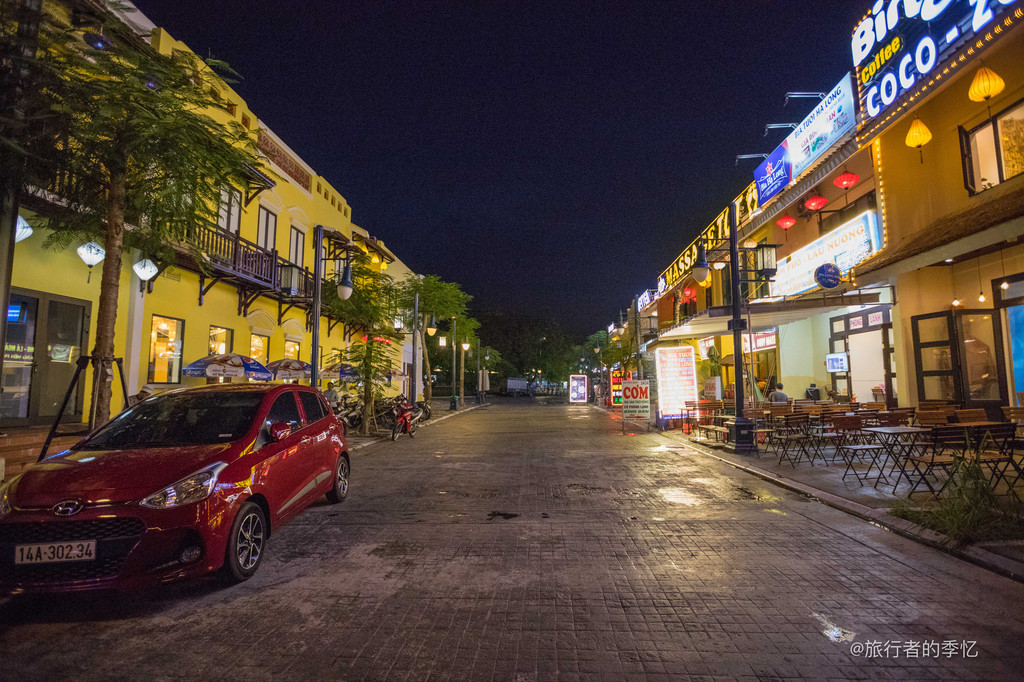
<point>415,342</point>
<point>479,383</point>
<point>453,404</point>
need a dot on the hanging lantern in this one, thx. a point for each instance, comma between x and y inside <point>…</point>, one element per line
<point>846,180</point>
<point>815,202</point>
<point>345,284</point>
<point>145,269</point>
<point>24,230</point>
<point>986,85</point>
<point>687,292</point>
<point>91,253</point>
<point>786,222</point>
<point>918,136</point>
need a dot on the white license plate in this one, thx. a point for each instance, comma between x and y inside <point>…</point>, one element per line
<point>53,552</point>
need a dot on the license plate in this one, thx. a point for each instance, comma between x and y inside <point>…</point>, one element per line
<point>53,552</point>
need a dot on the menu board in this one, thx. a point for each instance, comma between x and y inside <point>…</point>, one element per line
<point>578,388</point>
<point>617,387</point>
<point>677,380</point>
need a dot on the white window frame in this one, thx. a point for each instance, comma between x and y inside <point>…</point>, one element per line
<point>229,216</point>
<point>266,229</point>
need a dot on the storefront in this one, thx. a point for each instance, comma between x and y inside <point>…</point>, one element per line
<point>861,367</point>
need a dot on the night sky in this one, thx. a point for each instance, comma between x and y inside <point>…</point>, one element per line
<point>551,157</point>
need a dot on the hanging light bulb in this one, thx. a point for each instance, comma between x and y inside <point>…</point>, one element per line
<point>91,253</point>
<point>981,297</point>
<point>986,85</point>
<point>24,230</point>
<point>345,284</point>
<point>918,136</point>
<point>956,301</point>
<point>1005,285</point>
<point>145,269</point>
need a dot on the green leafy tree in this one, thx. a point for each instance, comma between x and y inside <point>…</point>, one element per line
<point>127,140</point>
<point>438,298</point>
<point>369,313</point>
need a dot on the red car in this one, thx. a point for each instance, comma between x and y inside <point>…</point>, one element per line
<point>183,484</point>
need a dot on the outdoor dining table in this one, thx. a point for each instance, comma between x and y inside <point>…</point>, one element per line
<point>899,442</point>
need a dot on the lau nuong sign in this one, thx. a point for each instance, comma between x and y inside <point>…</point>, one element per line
<point>831,119</point>
<point>846,246</point>
<point>901,42</point>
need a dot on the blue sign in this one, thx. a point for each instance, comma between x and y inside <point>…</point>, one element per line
<point>774,175</point>
<point>828,275</point>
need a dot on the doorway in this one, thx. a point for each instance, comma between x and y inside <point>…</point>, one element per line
<point>45,337</point>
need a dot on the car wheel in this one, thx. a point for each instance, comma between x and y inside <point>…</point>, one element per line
<point>246,543</point>
<point>396,430</point>
<point>340,490</point>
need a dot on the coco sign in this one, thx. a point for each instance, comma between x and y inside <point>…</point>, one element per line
<point>900,42</point>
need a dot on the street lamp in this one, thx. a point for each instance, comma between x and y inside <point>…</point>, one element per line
<point>345,287</point>
<point>432,325</point>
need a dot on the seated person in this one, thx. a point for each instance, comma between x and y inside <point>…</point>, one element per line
<point>777,396</point>
<point>813,392</point>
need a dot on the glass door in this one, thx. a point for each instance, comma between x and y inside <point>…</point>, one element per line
<point>935,356</point>
<point>46,335</point>
<point>982,371</point>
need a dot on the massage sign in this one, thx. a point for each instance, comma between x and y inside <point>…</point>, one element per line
<point>902,44</point>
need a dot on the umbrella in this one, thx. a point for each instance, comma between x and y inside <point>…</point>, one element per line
<point>341,371</point>
<point>289,369</point>
<point>228,365</point>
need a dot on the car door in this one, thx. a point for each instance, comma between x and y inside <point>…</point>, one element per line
<point>285,471</point>
<point>322,451</point>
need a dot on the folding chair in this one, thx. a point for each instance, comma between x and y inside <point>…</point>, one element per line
<point>791,437</point>
<point>943,450</point>
<point>995,449</point>
<point>849,447</point>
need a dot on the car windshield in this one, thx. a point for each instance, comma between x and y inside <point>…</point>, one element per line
<point>179,419</point>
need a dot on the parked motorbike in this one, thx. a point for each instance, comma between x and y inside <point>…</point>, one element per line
<point>350,411</point>
<point>425,408</point>
<point>407,416</point>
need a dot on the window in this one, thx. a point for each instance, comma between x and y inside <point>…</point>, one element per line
<point>291,350</point>
<point>221,340</point>
<point>312,406</point>
<point>285,411</point>
<point>165,350</point>
<point>245,122</point>
<point>266,235</point>
<point>258,346</point>
<point>994,151</point>
<point>230,209</point>
<point>297,246</point>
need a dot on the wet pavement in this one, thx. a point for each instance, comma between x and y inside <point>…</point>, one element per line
<point>532,540</point>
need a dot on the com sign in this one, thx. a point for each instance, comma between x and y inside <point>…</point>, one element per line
<point>636,400</point>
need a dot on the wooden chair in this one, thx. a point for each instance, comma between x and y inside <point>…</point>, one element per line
<point>933,404</point>
<point>872,406</point>
<point>931,418</point>
<point>1014,414</point>
<point>790,438</point>
<point>971,415</point>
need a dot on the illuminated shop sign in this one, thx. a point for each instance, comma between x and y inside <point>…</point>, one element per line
<point>578,388</point>
<point>714,235</point>
<point>617,377</point>
<point>677,380</point>
<point>848,245</point>
<point>817,133</point>
<point>644,299</point>
<point>761,341</point>
<point>900,42</point>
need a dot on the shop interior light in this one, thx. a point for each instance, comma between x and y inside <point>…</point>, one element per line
<point>145,269</point>
<point>815,202</point>
<point>986,85</point>
<point>846,180</point>
<point>1005,285</point>
<point>786,222</point>
<point>918,136</point>
<point>443,341</point>
<point>24,230</point>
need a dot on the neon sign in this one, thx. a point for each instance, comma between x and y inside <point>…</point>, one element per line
<point>902,41</point>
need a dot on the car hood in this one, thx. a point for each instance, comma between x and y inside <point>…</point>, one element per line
<point>103,476</point>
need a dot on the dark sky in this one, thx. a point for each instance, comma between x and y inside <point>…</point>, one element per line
<point>551,157</point>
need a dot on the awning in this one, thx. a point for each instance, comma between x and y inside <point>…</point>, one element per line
<point>715,320</point>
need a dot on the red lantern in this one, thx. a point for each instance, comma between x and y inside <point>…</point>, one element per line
<point>687,293</point>
<point>786,222</point>
<point>846,180</point>
<point>815,203</point>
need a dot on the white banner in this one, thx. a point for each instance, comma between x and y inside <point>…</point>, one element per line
<point>636,400</point>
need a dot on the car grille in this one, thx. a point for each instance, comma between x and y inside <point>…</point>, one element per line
<point>115,538</point>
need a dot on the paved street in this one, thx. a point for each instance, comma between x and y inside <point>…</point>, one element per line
<point>534,541</point>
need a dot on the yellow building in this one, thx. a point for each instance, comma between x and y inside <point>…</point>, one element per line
<point>249,292</point>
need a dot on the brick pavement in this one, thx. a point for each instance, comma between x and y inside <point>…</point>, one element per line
<point>533,541</point>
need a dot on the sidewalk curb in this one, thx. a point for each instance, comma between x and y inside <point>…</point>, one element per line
<point>383,439</point>
<point>983,558</point>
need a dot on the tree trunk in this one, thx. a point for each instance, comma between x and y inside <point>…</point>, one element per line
<point>366,371</point>
<point>106,318</point>
<point>428,387</point>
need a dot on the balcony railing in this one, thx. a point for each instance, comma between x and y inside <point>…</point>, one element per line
<point>233,255</point>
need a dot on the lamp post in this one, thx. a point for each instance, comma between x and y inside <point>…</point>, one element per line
<point>453,404</point>
<point>741,429</point>
<point>462,375</point>
<point>479,384</point>
<point>415,342</point>
<point>345,288</point>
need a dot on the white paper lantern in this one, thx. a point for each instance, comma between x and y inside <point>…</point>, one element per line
<point>91,253</point>
<point>24,230</point>
<point>145,269</point>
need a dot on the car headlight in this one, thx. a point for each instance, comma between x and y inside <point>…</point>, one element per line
<point>5,499</point>
<point>193,488</point>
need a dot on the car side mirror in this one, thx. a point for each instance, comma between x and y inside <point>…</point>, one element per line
<point>279,431</point>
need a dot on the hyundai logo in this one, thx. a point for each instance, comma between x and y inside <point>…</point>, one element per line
<point>67,508</point>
